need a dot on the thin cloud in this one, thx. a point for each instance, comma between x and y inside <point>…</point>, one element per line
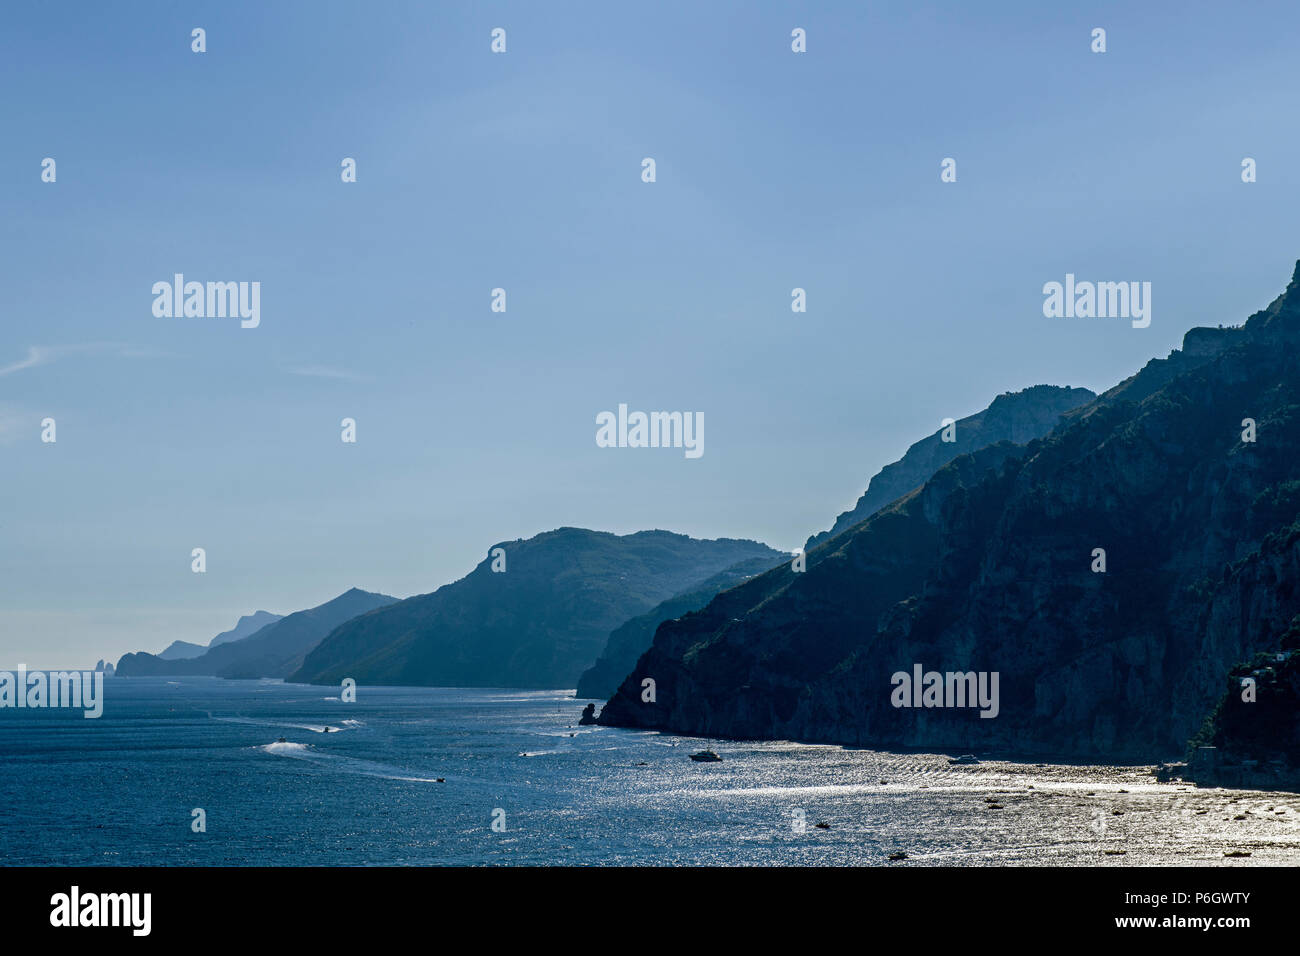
<point>325,371</point>
<point>35,356</point>
<point>38,355</point>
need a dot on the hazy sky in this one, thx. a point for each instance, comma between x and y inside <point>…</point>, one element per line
<point>523,171</point>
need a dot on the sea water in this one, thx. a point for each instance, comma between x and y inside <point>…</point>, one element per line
<point>420,775</point>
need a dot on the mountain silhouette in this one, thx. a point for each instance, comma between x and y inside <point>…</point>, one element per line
<point>991,566</point>
<point>247,625</point>
<point>538,623</point>
<point>1017,417</point>
<point>271,651</point>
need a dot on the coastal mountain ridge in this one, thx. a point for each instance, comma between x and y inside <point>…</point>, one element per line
<point>1017,417</point>
<point>630,639</point>
<point>247,625</point>
<point>274,650</point>
<point>539,621</point>
<point>989,567</point>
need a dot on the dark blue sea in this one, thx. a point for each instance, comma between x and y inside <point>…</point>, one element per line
<point>121,790</point>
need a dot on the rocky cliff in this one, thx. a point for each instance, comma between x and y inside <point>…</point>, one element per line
<point>1017,417</point>
<point>1253,737</point>
<point>993,566</point>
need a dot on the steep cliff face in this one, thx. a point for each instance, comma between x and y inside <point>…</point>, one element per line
<point>741,666</point>
<point>1017,417</point>
<point>989,568</point>
<point>1255,726</point>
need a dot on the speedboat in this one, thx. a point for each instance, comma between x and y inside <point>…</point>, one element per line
<point>705,756</point>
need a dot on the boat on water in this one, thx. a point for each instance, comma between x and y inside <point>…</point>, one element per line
<point>705,756</point>
<point>963,759</point>
<point>282,741</point>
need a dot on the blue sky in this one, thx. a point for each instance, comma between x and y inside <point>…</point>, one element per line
<point>522,171</point>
